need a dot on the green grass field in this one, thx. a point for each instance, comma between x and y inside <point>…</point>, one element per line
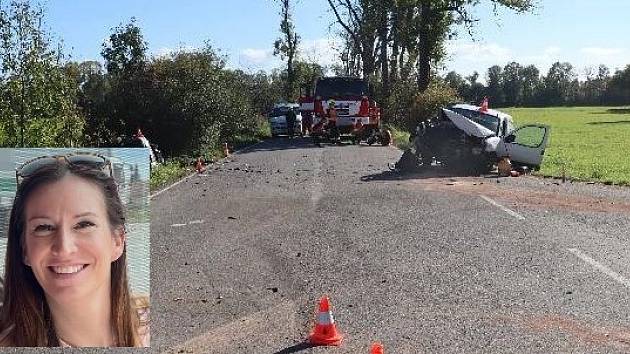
<point>587,143</point>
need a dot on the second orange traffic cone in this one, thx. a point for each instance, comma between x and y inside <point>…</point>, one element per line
<point>377,348</point>
<point>325,332</point>
<point>226,151</point>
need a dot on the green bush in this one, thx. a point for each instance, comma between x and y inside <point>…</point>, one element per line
<point>426,104</point>
<point>167,173</point>
<point>408,107</point>
<point>400,136</point>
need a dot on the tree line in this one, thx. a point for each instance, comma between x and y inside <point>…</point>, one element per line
<point>518,85</point>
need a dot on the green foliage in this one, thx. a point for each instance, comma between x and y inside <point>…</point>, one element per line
<point>125,50</point>
<point>197,105</point>
<point>515,85</point>
<point>400,136</point>
<point>586,143</point>
<point>167,173</point>
<point>37,98</point>
<point>287,47</point>
<point>426,104</point>
<point>619,90</point>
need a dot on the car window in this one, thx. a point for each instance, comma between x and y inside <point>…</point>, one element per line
<point>486,120</point>
<point>530,136</point>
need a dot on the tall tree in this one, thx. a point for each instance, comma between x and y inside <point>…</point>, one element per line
<point>125,59</point>
<point>37,102</point>
<point>619,87</point>
<point>456,82</point>
<point>559,84</point>
<point>287,46</point>
<point>513,84</point>
<point>436,19</point>
<point>125,49</point>
<point>495,86</point>
<point>476,90</point>
<point>531,84</point>
<point>358,20</point>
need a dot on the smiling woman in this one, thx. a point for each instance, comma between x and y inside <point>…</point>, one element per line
<point>66,269</point>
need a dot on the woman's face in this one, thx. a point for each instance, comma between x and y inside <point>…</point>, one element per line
<point>68,241</point>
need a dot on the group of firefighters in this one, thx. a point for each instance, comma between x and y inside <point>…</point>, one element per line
<point>328,121</point>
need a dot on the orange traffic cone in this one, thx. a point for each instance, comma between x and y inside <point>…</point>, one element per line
<point>226,151</point>
<point>199,165</point>
<point>377,348</point>
<point>325,332</point>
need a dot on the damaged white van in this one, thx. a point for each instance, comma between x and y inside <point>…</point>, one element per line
<point>472,138</point>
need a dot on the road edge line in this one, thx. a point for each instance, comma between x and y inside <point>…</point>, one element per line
<point>151,196</point>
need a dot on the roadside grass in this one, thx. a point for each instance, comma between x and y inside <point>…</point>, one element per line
<point>168,173</point>
<point>586,143</point>
<point>400,136</point>
<point>179,167</point>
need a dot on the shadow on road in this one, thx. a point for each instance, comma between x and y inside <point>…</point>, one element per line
<point>296,348</point>
<point>425,173</point>
<point>286,143</point>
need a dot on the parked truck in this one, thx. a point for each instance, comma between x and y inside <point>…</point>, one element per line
<point>358,115</point>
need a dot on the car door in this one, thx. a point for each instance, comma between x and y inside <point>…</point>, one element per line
<point>525,145</point>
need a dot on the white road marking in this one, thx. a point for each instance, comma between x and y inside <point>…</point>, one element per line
<point>196,222</point>
<point>602,268</point>
<point>511,212</point>
<point>171,186</point>
<point>178,225</point>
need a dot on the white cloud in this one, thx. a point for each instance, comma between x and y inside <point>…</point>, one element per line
<point>477,52</point>
<point>167,51</point>
<point>256,56</point>
<point>323,51</point>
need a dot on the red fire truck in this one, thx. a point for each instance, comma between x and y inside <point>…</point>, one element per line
<point>358,116</point>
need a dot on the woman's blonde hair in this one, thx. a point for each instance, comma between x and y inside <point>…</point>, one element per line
<point>25,319</point>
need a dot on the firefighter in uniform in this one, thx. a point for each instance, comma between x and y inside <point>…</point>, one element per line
<point>331,116</point>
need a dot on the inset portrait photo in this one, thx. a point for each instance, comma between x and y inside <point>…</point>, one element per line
<point>74,240</point>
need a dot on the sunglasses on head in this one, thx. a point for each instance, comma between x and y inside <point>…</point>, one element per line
<point>86,160</point>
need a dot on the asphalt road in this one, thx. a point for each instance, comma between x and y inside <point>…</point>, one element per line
<point>423,263</point>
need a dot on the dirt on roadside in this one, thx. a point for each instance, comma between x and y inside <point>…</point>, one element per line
<point>527,191</point>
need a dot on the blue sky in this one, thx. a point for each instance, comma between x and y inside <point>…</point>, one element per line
<point>582,32</point>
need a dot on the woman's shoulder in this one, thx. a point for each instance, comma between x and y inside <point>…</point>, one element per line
<point>142,306</point>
